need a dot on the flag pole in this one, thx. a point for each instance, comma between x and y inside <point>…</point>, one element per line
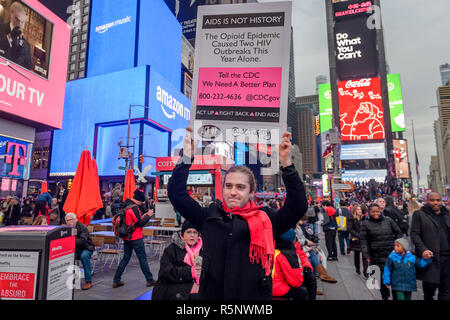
<point>416,158</point>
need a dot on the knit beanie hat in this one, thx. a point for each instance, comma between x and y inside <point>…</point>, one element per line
<point>288,236</point>
<point>404,243</point>
<point>139,195</point>
<point>187,225</point>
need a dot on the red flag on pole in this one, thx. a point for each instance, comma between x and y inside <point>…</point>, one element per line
<point>130,185</point>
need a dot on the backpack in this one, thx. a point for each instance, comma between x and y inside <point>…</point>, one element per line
<point>119,225</point>
<point>341,221</point>
<point>310,213</point>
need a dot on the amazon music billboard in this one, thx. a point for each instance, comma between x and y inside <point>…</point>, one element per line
<point>34,48</point>
<point>361,110</point>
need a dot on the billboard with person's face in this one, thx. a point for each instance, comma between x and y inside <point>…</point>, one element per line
<point>34,46</point>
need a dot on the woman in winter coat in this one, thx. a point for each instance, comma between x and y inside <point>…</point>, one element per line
<point>378,234</point>
<point>353,227</point>
<point>238,246</point>
<point>180,266</point>
<point>288,269</point>
<point>13,213</point>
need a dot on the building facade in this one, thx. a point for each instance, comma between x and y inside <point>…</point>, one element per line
<point>444,70</point>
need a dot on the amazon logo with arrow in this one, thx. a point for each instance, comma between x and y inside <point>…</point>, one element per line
<point>170,105</point>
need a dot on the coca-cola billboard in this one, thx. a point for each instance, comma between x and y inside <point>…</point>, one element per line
<point>361,110</point>
<point>356,52</point>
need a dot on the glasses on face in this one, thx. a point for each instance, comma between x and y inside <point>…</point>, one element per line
<point>195,233</point>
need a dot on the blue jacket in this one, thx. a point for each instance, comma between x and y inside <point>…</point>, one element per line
<point>45,197</point>
<point>400,271</point>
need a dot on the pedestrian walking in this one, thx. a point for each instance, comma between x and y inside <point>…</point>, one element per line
<point>329,227</point>
<point>378,234</point>
<point>400,270</point>
<point>238,236</point>
<point>342,216</point>
<point>431,237</point>
<point>135,221</point>
<point>354,228</point>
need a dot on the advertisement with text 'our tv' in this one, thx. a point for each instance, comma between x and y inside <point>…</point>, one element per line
<point>241,67</point>
<point>34,47</point>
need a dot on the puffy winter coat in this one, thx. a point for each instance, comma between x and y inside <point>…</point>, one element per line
<point>175,276</point>
<point>400,271</point>
<point>354,228</point>
<point>227,272</point>
<point>287,272</point>
<point>378,239</point>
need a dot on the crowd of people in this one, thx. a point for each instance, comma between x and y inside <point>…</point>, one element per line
<point>405,241</point>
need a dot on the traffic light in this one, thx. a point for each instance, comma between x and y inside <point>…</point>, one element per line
<point>141,158</point>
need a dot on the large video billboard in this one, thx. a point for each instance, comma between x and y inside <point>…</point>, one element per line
<point>361,110</point>
<point>401,159</point>
<point>351,8</point>
<point>356,51</point>
<point>364,176</point>
<point>34,46</point>
<point>396,103</point>
<point>363,151</point>
<point>325,107</point>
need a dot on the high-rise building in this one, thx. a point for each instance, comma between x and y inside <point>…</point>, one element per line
<point>443,98</point>
<point>79,23</point>
<point>320,79</point>
<point>434,176</point>
<point>306,122</point>
<point>440,152</point>
<point>445,73</point>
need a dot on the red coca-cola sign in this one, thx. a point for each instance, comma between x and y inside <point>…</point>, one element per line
<point>361,110</point>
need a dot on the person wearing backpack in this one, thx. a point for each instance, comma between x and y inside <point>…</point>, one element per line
<point>134,221</point>
<point>343,214</point>
<point>329,227</point>
<point>313,217</point>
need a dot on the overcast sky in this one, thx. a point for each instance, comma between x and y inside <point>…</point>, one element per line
<point>417,41</point>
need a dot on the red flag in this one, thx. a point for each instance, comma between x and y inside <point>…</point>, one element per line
<point>130,185</point>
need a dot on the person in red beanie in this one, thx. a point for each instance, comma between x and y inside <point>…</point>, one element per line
<point>238,235</point>
<point>329,228</point>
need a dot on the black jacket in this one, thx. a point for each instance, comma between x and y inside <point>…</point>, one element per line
<point>425,236</point>
<point>12,215</point>
<point>378,239</point>
<point>227,272</point>
<point>175,276</point>
<point>83,240</point>
<point>354,228</point>
<point>396,215</point>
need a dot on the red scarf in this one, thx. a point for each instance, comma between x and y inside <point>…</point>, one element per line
<point>262,247</point>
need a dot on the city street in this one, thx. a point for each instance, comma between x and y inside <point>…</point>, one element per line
<point>350,286</point>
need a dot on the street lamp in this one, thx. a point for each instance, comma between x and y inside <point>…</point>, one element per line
<point>129,124</point>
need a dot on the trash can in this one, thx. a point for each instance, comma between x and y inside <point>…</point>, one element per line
<point>37,262</point>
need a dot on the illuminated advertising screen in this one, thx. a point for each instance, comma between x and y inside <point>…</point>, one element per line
<point>16,156</point>
<point>349,9</point>
<point>364,175</point>
<point>34,46</point>
<point>325,107</point>
<point>363,151</point>
<point>356,51</point>
<point>361,110</point>
<point>401,159</point>
<point>396,103</point>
